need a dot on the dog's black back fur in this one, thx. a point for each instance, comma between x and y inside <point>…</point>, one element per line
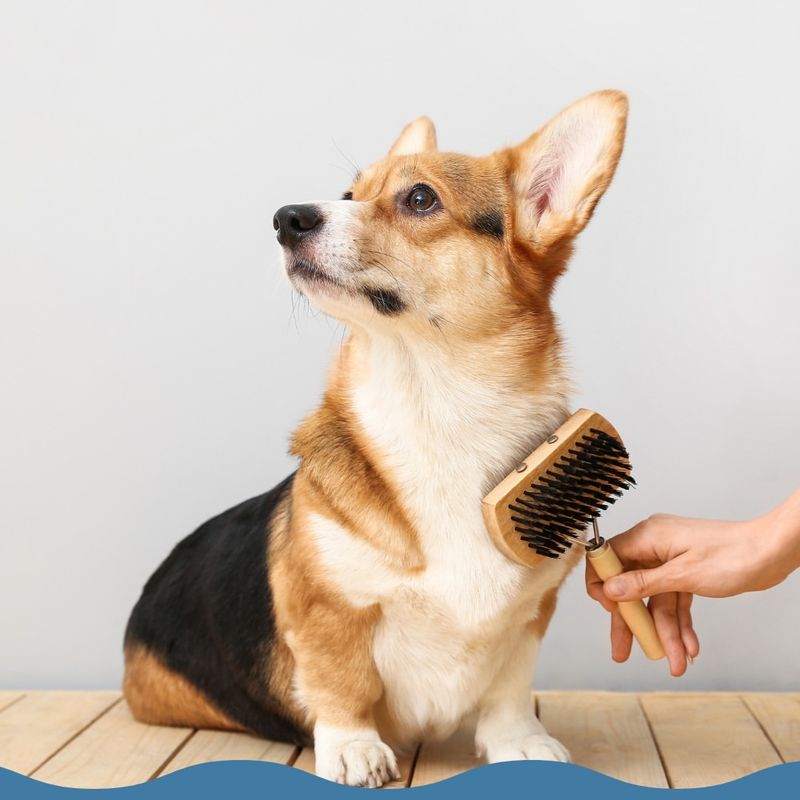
<point>207,614</point>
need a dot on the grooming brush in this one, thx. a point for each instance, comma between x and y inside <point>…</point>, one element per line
<point>542,508</point>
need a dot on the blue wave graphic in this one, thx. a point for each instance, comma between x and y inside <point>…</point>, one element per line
<point>520,779</point>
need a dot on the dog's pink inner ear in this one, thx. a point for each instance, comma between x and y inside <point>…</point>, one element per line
<point>571,154</point>
<point>543,182</point>
<point>563,169</point>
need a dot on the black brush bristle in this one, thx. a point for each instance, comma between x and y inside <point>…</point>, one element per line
<point>562,502</point>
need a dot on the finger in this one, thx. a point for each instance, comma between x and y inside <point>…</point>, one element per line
<point>638,544</point>
<point>640,583</point>
<point>594,588</point>
<point>664,609</point>
<point>690,641</point>
<point>621,638</point>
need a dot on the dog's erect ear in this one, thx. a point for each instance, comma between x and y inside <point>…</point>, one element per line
<point>562,170</point>
<point>418,136</point>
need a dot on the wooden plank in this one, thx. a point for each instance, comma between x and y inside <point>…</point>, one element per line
<point>706,740</point>
<point>115,751</point>
<point>72,738</point>
<point>305,760</point>
<point>439,760</point>
<point>35,727</point>
<point>405,763</point>
<point>779,715</point>
<point>207,746</point>
<point>605,732</point>
<point>7,698</point>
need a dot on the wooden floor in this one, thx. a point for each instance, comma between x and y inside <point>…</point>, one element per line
<point>89,739</point>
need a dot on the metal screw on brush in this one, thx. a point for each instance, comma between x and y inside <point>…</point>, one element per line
<point>597,539</point>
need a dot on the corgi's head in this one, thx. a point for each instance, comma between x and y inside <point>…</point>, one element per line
<point>425,242</point>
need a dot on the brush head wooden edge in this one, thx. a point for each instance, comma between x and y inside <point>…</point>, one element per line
<point>496,514</point>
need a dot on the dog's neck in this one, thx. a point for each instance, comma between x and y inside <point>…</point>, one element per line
<point>453,417</point>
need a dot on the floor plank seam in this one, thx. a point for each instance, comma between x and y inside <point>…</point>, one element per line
<point>12,702</point>
<point>655,743</point>
<point>172,755</point>
<point>413,765</point>
<point>74,737</point>
<point>763,729</point>
<point>294,756</point>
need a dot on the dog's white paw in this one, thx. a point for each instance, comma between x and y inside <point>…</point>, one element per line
<point>357,763</point>
<point>533,747</point>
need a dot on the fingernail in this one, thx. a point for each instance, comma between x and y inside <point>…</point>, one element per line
<point>691,659</point>
<point>614,587</point>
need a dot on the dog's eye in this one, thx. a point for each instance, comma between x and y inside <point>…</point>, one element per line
<point>422,199</point>
<point>347,196</point>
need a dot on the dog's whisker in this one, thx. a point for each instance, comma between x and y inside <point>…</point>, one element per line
<point>380,265</point>
<point>292,316</point>
<point>389,255</point>
<point>346,170</point>
<point>356,169</point>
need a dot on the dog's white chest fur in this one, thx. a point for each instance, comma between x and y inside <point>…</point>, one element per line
<point>445,631</point>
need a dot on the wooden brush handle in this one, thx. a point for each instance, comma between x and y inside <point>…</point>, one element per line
<point>634,612</point>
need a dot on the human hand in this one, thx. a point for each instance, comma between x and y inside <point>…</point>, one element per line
<point>670,558</point>
<point>671,612</point>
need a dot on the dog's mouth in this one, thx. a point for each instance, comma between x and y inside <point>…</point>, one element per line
<point>307,274</point>
<point>311,274</point>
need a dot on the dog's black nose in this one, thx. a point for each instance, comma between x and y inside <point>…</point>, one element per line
<point>295,222</point>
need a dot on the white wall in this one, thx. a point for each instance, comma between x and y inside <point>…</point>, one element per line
<point>153,366</point>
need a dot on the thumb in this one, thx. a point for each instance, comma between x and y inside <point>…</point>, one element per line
<point>640,583</point>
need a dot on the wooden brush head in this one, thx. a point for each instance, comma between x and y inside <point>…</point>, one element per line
<point>539,510</point>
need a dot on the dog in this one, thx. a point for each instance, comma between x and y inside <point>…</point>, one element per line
<point>360,606</point>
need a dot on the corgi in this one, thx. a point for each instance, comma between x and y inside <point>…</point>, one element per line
<point>360,605</point>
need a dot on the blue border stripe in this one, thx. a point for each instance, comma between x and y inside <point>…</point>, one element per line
<point>520,779</point>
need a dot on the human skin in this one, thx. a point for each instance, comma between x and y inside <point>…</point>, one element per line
<point>670,559</point>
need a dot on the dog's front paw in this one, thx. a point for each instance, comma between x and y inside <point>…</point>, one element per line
<point>358,762</point>
<point>533,747</point>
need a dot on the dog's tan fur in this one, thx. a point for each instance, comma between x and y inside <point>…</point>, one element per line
<point>160,696</point>
<point>490,299</point>
<point>368,549</point>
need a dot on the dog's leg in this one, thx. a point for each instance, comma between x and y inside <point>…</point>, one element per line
<point>353,755</point>
<point>338,682</point>
<point>507,728</point>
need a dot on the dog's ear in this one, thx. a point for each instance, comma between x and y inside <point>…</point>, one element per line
<point>562,170</point>
<point>418,136</point>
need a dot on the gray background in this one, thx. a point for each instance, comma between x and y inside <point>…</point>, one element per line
<point>153,367</point>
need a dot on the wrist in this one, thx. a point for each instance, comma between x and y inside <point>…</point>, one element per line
<point>784,524</point>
